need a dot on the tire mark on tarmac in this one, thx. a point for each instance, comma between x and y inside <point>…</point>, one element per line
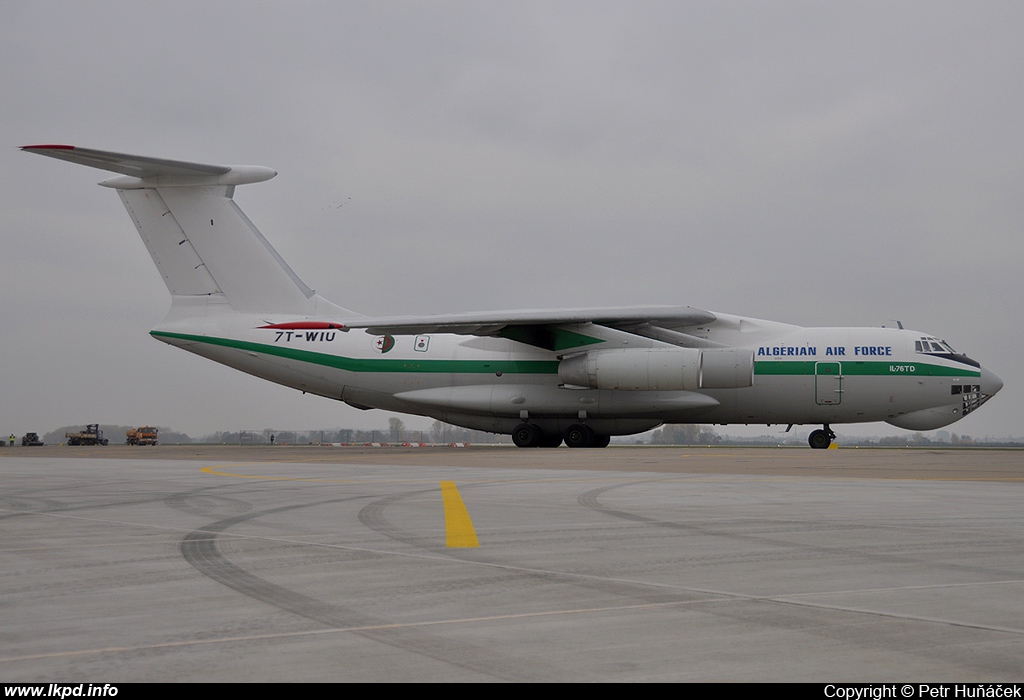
<point>591,500</point>
<point>834,629</point>
<point>373,517</point>
<point>198,502</point>
<point>201,550</point>
<point>29,503</point>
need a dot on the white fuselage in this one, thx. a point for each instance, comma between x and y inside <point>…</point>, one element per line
<point>800,375</point>
<point>543,375</point>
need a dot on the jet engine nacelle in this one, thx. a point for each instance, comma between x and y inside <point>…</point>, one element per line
<point>659,369</point>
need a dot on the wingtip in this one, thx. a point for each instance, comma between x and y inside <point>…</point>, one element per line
<point>48,147</point>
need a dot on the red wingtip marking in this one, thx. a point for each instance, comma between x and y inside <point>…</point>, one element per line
<point>305,326</point>
<point>48,147</point>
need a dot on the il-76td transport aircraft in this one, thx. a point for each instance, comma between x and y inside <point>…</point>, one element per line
<point>573,375</point>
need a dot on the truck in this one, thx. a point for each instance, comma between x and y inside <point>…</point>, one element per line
<point>92,435</point>
<point>31,440</point>
<point>144,435</point>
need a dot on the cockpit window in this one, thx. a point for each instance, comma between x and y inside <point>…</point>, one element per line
<point>933,345</point>
<point>927,345</point>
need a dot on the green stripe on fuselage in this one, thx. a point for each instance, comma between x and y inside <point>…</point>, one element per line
<point>351,364</point>
<point>849,369</point>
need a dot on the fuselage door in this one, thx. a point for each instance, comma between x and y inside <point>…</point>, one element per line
<point>828,383</point>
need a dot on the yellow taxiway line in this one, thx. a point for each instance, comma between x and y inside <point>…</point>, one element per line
<point>458,527</point>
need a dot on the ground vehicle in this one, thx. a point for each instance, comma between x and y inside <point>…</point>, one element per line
<point>31,440</point>
<point>92,435</point>
<point>145,435</point>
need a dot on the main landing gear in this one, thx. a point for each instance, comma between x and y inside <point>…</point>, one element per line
<point>821,439</point>
<point>527,435</point>
<point>580,435</point>
<point>576,435</point>
<point>530,435</point>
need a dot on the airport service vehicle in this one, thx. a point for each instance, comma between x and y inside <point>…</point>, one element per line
<point>145,435</point>
<point>577,375</point>
<point>31,440</point>
<point>92,435</point>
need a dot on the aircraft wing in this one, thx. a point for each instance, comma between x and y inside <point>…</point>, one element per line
<point>490,323</point>
<point>551,329</point>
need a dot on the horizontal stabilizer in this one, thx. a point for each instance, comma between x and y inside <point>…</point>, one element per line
<point>135,166</point>
<point>144,172</point>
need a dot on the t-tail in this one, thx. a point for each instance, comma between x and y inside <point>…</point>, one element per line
<point>208,252</point>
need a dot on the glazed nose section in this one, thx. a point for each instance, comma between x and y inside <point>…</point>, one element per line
<point>990,383</point>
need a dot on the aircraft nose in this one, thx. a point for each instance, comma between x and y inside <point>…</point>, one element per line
<point>990,383</point>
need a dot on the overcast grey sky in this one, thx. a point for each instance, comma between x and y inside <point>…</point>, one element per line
<point>809,162</point>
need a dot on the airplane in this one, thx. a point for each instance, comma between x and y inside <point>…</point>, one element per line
<point>572,375</point>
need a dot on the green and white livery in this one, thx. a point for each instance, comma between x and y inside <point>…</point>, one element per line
<point>577,376</point>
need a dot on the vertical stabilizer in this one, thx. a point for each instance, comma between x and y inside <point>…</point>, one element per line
<point>202,243</point>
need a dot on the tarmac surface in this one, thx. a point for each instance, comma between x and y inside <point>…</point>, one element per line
<point>206,563</point>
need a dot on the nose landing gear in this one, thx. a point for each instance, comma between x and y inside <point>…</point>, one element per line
<point>821,439</point>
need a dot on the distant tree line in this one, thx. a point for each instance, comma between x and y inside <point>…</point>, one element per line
<point>445,433</point>
<point>686,434</point>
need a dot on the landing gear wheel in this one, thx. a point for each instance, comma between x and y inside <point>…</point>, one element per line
<point>601,440</point>
<point>820,439</point>
<point>527,435</point>
<point>579,435</point>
